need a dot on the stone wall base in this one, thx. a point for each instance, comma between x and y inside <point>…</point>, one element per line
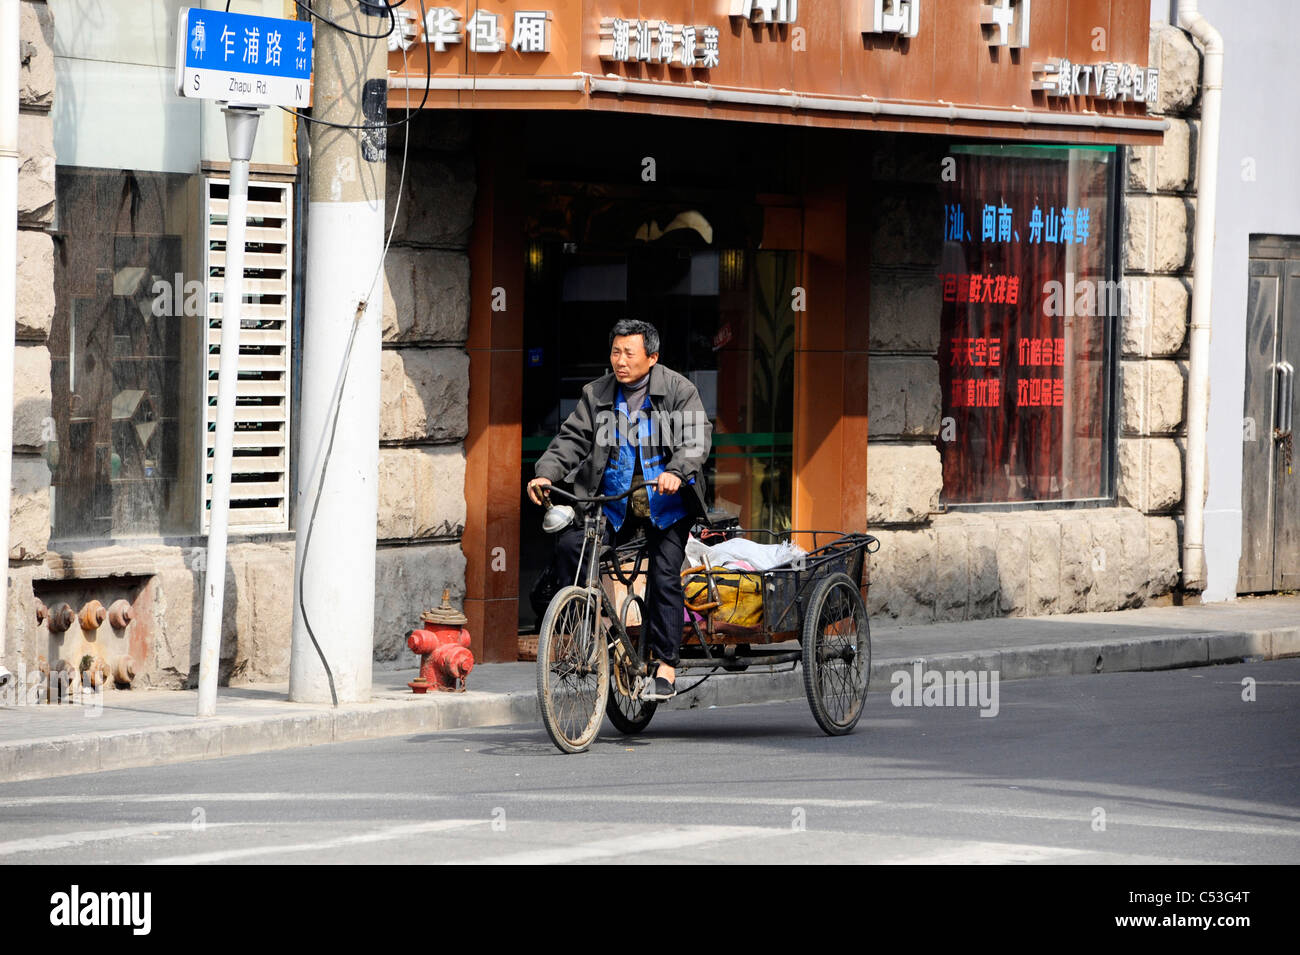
<point>971,566</point>
<point>164,587</point>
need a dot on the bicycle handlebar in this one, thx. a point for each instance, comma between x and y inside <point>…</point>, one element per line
<point>551,488</point>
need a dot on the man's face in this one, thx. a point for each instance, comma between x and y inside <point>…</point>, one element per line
<point>628,358</point>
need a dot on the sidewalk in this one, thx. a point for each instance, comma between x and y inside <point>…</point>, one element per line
<point>149,727</point>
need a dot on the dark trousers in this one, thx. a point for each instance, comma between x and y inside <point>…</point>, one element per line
<point>663,591</point>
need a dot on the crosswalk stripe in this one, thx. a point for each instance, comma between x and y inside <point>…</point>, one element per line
<point>1202,822</point>
<point>1114,818</point>
<point>381,835</point>
<point>66,840</point>
<point>251,797</point>
<point>703,799</point>
<point>983,853</point>
<point>653,844</point>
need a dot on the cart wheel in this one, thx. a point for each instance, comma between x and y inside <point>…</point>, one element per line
<point>572,669</point>
<point>836,654</point>
<point>628,714</point>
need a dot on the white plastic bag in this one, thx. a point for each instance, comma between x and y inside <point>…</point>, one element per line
<point>751,554</point>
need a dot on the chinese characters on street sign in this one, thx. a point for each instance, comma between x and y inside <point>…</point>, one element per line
<point>636,40</point>
<point>1110,81</point>
<point>237,58</point>
<point>483,32</point>
<point>649,41</point>
<point>1006,22</point>
<point>892,16</point>
<point>766,12</point>
<point>1029,303</point>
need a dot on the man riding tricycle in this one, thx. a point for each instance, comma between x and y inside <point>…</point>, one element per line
<point>634,449</point>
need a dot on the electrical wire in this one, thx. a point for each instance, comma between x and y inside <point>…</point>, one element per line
<point>388,8</point>
<point>362,307</point>
<point>391,6</point>
<point>392,20</point>
<point>428,70</point>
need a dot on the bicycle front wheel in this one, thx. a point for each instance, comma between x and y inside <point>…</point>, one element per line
<point>572,669</point>
<point>629,714</point>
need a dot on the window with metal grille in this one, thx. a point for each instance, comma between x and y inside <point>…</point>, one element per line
<point>259,492</point>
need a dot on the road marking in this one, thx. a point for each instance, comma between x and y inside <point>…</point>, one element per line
<point>1114,817</point>
<point>656,842</point>
<point>381,835</point>
<point>200,798</point>
<point>707,799</point>
<point>983,853</point>
<point>703,799</point>
<point>1118,817</point>
<point>67,839</point>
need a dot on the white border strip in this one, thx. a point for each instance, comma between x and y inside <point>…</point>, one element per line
<point>874,107</point>
<point>782,99</point>
<point>576,84</point>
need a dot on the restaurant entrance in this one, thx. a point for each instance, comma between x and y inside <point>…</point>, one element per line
<point>735,240</point>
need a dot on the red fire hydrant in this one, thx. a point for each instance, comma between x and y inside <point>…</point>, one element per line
<point>443,645</point>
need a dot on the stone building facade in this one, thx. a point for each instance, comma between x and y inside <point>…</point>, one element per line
<point>424,380</point>
<point>29,530</point>
<point>934,564</point>
<point>941,565</point>
<point>161,579</point>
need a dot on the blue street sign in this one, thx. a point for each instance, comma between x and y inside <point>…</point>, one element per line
<point>257,61</point>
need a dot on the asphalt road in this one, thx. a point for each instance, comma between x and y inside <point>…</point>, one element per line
<point>1134,767</point>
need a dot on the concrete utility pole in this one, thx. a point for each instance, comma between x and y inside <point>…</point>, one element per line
<point>337,502</point>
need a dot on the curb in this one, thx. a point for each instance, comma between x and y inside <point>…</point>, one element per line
<point>22,760</point>
<point>241,736</point>
<point>1121,655</point>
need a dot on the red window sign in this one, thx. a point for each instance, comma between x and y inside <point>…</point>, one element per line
<point>1024,386</point>
<point>1000,289</point>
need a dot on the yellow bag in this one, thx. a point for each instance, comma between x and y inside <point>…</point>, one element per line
<point>740,596</point>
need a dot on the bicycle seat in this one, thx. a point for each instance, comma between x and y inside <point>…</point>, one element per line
<point>715,521</point>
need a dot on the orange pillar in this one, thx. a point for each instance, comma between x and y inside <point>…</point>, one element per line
<point>493,448</point>
<point>830,436</point>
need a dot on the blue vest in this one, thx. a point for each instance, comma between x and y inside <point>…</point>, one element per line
<point>665,509</point>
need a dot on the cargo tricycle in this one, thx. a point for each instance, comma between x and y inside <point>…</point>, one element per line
<point>591,651</point>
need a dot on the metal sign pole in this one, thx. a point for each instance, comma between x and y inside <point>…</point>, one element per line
<point>241,131</point>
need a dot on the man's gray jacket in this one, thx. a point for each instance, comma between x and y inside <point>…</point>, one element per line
<point>680,433</point>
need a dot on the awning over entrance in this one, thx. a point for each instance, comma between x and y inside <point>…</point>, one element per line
<point>1052,70</point>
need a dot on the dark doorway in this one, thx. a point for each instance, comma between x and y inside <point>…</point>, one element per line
<point>723,308</point>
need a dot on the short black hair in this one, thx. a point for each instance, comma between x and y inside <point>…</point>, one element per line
<point>630,326</point>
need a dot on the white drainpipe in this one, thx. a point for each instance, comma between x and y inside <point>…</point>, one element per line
<point>1198,376</point>
<point>9,76</point>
